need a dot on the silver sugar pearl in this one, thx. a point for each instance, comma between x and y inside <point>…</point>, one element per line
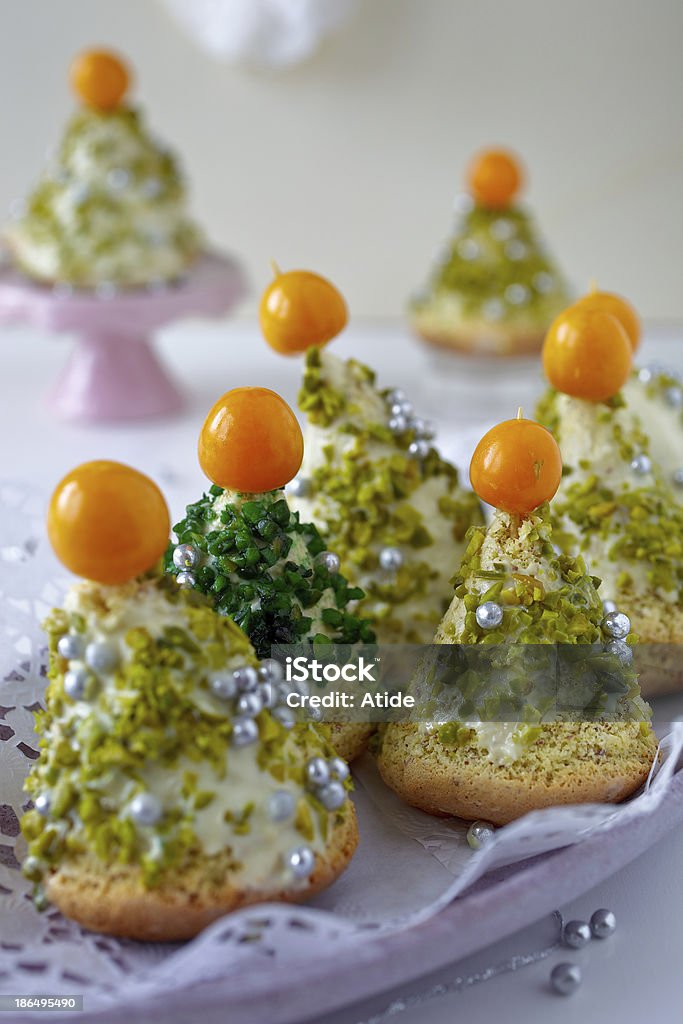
<point>398,424</point>
<point>641,464</point>
<point>244,732</point>
<point>249,705</point>
<point>543,282</point>
<point>316,772</point>
<point>118,179</point>
<point>76,683</point>
<point>674,397</point>
<point>329,560</point>
<point>403,408</point>
<point>151,188</point>
<point>281,805</point>
<point>576,934</point>
<point>423,428</point>
<point>516,249</point>
<point>479,833</point>
<point>102,657</point>
<point>285,716</point>
<point>463,203</point>
<point>299,487</point>
<point>332,796</point>
<point>620,650</point>
<point>489,615</point>
<point>145,809</point>
<point>246,678</point>
<point>301,861</point>
<point>314,714</point>
<point>390,559</point>
<point>517,294</point>
<point>492,309</point>
<point>565,978</point>
<point>645,375</point>
<point>502,229</point>
<point>678,477</point>
<point>270,671</point>
<point>71,646</point>
<point>186,556</point>
<point>617,625</point>
<point>268,694</point>
<point>186,579</point>
<point>42,804</point>
<point>395,397</point>
<point>418,449</point>
<point>608,606</point>
<point>468,249</point>
<point>603,923</point>
<point>223,686</point>
<point>339,769</point>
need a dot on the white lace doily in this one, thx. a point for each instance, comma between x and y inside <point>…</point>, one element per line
<point>429,860</point>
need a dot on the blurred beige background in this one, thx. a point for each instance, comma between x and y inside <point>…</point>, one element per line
<point>349,163</point>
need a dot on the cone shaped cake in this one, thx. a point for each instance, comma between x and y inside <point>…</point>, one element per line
<point>171,788</point>
<point>110,210</point>
<point>515,590</point>
<point>494,289</point>
<point>244,548</point>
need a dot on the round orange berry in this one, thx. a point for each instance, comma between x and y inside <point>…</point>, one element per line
<point>251,441</point>
<point>300,309</point>
<point>495,177</point>
<point>620,308</point>
<point>99,78</point>
<point>108,522</point>
<point>516,466</point>
<point>587,354</point>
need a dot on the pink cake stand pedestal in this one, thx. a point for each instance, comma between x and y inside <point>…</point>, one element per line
<point>113,372</point>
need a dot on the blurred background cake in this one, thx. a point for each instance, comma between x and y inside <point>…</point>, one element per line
<point>110,208</point>
<point>494,289</point>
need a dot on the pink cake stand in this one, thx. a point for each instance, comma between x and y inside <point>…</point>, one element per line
<point>113,372</point>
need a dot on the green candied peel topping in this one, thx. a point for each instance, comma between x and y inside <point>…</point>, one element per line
<point>371,492</point>
<point>247,572</point>
<point>149,716</point>
<point>104,220</point>
<point>491,267</point>
<point>322,403</point>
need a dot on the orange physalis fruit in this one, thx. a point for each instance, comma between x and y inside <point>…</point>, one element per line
<point>251,441</point>
<point>620,308</point>
<point>300,309</point>
<point>99,78</point>
<point>108,522</point>
<point>494,178</point>
<point>516,466</point>
<point>587,353</point>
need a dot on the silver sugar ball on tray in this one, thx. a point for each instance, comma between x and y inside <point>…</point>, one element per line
<point>641,464</point>
<point>489,615</point>
<point>479,834</point>
<point>603,923</point>
<point>576,934</point>
<point>301,861</point>
<point>185,556</point>
<point>102,656</point>
<point>390,559</point>
<point>246,678</point>
<point>316,772</point>
<point>249,705</point>
<point>186,579</point>
<point>71,646</point>
<point>271,671</point>
<point>76,683</point>
<point>145,809</point>
<point>565,978</point>
<point>621,650</point>
<point>332,796</point>
<point>281,805</point>
<point>244,732</point>
<point>617,625</point>
<point>330,561</point>
<point>223,685</point>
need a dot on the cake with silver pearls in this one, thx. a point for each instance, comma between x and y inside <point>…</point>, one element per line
<point>496,748</point>
<point>382,496</point>
<point>655,394</point>
<point>174,784</point>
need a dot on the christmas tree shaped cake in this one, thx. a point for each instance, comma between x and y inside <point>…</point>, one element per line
<point>243,546</point>
<point>110,211</point>
<point>383,498</point>
<point>171,786</point>
<point>655,395</point>
<point>508,750</point>
<point>494,289</point>
<point>615,506</point>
